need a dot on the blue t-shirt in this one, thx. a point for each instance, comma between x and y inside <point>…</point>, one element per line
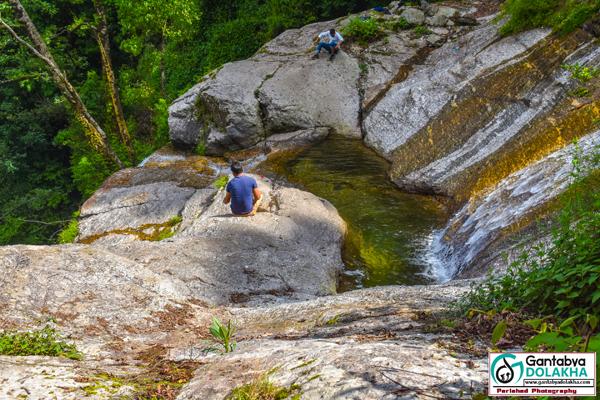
<point>242,199</point>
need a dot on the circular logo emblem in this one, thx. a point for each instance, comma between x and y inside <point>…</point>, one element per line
<point>503,370</point>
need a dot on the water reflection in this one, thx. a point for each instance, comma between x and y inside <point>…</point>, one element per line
<point>389,231</point>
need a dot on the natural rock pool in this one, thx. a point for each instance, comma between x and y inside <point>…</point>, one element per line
<point>389,231</point>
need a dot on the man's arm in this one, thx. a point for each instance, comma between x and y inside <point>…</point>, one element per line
<point>256,194</point>
<point>227,198</point>
<point>340,40</point>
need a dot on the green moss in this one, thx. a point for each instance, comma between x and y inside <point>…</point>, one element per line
<point>364,68</point>
<point>200,148</point>
<point>43,342</point>
<point>158,231</point>
<point>333,320</point>
<point>221,182</point>
<point>70,232</point>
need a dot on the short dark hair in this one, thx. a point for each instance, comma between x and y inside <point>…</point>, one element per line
<point>332,31</point>
<point>236,167</point>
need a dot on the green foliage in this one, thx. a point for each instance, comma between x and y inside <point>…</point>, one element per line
<point>44,342</point>
<point>221,182</point>
<point>563,16</point>
<point>222,336</point>
<point>363,30</point>
<point>558,280</point>
<point>263,389</point>
<point>47,167</point>
<point>498,331</point>
<point>70,232</point>
<point>400,24</point>
<point>581,73</point>
<point>421,31</point>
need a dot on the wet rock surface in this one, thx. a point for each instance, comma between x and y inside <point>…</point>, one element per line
<point>475,235</point>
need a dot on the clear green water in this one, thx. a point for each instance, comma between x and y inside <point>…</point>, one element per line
<point>388,230</point>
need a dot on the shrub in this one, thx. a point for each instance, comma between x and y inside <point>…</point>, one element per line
<point>363,30</point>
<point>70,232</point>
<point>421,31</point>
<point>562,16</point>
<point>399,24</point>
<point>44,342</point>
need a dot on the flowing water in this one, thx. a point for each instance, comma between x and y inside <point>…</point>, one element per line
<point>389,232</point>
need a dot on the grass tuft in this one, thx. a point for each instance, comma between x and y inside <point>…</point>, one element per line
<point>263,389</point>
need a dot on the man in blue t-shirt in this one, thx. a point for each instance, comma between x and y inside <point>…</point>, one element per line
<point>242,192</point>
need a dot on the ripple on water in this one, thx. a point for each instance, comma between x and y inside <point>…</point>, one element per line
<point>389,232</point>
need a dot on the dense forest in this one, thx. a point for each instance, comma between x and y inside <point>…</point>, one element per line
<point>85,84</point>
<point>127,61</point>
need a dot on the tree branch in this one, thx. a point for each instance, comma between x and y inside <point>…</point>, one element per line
<point>16,36</point>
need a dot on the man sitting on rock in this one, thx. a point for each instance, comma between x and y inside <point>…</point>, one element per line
<point>242,192</point>
<point>330,41</point>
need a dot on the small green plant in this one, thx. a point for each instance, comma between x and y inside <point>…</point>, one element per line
<point>221,182</point>
<point>400,24</point>
<point>200,148</point>
<point>421,31</point>
<point>263,389</point>
<point>222,336</point>
<point>363,30</point>
<point>70,232</point>
<point>43,342</point>
<point>581,73</point>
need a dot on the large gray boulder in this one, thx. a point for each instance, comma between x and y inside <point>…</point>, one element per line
<point>281,90</point>
<point>413,16</point>
<point>306,94</point>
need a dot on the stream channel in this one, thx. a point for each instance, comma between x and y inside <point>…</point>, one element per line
<point>389,231</point>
